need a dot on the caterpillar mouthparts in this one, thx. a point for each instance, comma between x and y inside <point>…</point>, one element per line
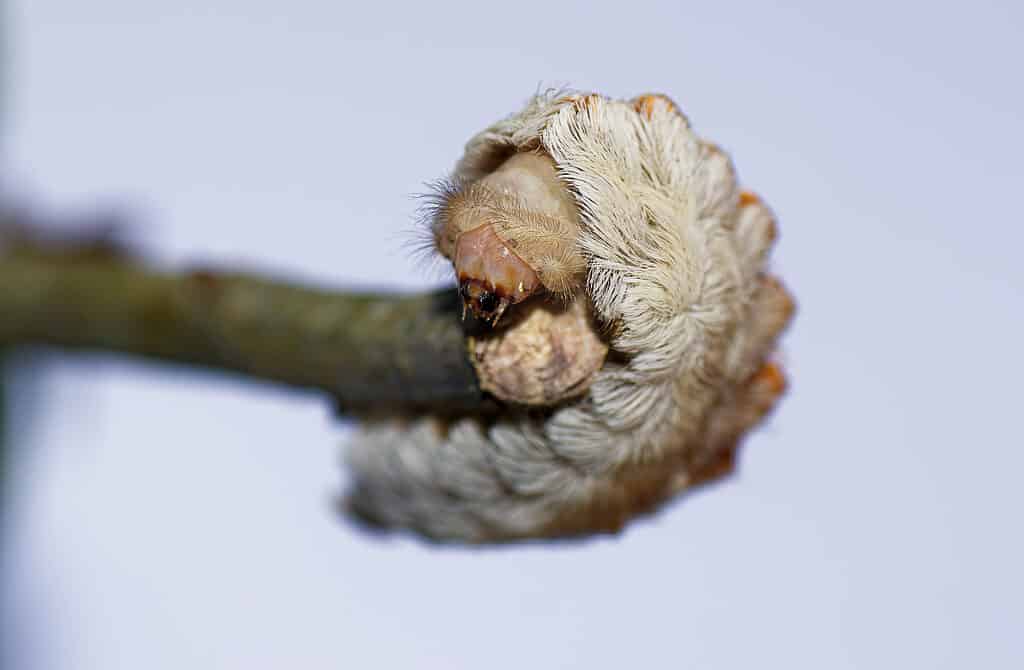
<point>485,303</point>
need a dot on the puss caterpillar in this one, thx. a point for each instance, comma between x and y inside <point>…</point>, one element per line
<point>621,211</point>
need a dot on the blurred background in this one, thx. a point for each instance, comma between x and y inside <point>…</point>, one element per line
<point>161,518</point>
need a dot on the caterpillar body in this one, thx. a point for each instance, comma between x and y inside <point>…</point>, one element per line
<point>636,230</point>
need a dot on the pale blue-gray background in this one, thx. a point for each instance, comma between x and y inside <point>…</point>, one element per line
<point>163,519</point>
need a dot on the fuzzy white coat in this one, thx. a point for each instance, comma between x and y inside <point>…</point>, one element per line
<point>675,269</point>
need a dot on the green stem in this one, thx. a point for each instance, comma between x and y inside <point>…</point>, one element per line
<point>373,352</point>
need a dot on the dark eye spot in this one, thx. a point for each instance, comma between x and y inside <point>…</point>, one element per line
<point>488,301</point>
<point>464,290</point>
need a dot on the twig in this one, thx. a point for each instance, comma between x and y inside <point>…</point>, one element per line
<point>372,352</point>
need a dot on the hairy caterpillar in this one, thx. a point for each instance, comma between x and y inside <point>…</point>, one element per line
<point>637,230</point>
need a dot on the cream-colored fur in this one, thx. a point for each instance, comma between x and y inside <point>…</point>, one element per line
<point>675,262</point>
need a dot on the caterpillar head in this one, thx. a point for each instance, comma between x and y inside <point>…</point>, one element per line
<point>491,275</point>
<point>510,235</point>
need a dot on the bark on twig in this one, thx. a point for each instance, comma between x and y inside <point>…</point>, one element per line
<point>373,352</point>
